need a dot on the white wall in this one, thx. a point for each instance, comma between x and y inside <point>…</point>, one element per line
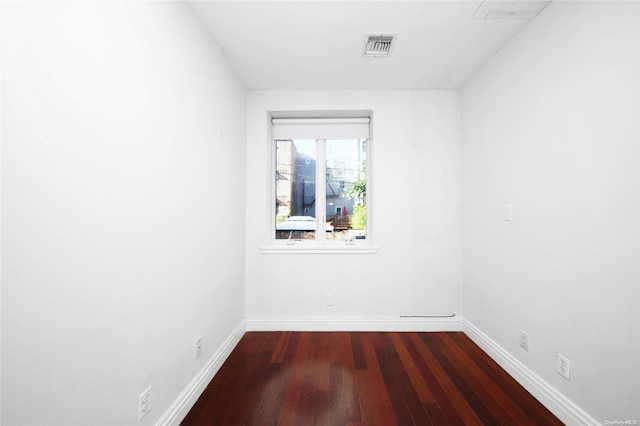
<point>550,125</point>
<point>414,208</point>
<point>122,208</point>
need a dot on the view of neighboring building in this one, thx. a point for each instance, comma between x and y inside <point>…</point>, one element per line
<point>285,175</point>
<point>296,184</point>
<point>345,162</point>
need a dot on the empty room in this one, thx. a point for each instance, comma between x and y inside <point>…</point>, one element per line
<point>320,212</point>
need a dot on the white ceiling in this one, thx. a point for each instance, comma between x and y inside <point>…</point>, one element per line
<point>318,44</point>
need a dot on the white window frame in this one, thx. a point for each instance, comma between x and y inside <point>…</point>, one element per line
<point>320,245</point>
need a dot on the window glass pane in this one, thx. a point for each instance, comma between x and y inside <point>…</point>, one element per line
<point>346,200</point>
<point>295,189</point>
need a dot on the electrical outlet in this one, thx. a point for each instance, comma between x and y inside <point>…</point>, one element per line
<point>144,403</point>
<point>564,366</point>
<point>524,340</point>
<point>198,347</point>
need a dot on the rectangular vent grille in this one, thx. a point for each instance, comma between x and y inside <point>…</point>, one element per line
<point>378,45</point>
<point>499,9</point>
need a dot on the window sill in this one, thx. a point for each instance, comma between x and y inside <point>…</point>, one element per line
<point>320,249</point>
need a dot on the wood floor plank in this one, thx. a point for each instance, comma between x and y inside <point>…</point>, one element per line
<point>363,378</point>
<point>290,412</point>
<point>473,398</point>
<point>353,410</point>
<point>226,387</point>
<point>453,405</point>
<point>409,394</point>
<point>281,347</point>
<point>359,360</point>
<point>409,364</point>
<point>336,408</point>
<point>492,394</point>
<point>374,399</point>
<point>270,398</point>
<point>400,409</point>
<point>346,358</point>
<point>534,409</point>
<point>322,413</point>
<point>344,401</point>
<point>496,402</point>
<point>306,404</point>
<point>245,397</point>
<point>321,364</point>
<point>435,413</point>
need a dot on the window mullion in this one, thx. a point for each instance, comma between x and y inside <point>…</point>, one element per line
<point>321,185</point>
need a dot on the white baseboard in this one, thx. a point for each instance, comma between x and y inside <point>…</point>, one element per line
<point>353,323</point>
<point>550,397</point>
<point>181,406</point>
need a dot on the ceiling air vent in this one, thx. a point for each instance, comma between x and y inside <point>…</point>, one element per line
<point>378,45</point>
<point>501,9</point>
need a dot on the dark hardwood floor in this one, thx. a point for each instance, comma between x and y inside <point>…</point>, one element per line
<point>357,378</point>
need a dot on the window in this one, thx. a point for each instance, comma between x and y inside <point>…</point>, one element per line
<point>321,189</point>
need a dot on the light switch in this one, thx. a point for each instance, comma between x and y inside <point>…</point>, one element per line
<point>331,299</point>
<point>507,212</point>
